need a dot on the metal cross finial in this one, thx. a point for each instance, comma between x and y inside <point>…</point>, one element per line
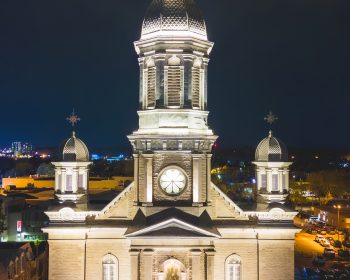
<point>271,118</point>
<point>73,119</point>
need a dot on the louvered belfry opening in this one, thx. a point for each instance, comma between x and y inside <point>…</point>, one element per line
<point>173,82</point>
<point>151,87</point>
<point>196,86</point>
<point>174,86</point>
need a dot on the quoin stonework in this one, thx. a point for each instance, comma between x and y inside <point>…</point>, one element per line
<point>172,222</point>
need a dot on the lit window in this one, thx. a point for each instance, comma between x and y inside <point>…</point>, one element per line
<point>69,183</point>
<point>264,181</point>
<point>275,182</point>
<point>110,267</point>
<point>233,268</point>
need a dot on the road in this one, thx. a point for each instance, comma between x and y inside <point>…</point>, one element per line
<point>306,249</point>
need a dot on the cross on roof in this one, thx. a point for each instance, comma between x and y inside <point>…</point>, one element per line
<point>73,119</point>
<point>271,118</point>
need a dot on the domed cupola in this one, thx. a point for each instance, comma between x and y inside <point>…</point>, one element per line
<point>272,168</point>
<point>271,149</point>
<point>75,150</point>
<point>72,173</point>
<point>173,17</point>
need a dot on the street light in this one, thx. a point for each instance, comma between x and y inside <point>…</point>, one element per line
<point>338,207</point>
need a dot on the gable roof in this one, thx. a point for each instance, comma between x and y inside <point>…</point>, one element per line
<point>172,228</point>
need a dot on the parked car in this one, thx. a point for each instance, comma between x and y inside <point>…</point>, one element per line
<point>319,261</point>
<point>330,239</point>
<point>322,232</point>
<point>343,253</point>
<point>346,244</point>
<point>318,238</point>
<point>325,243</point>
<point>329,253</point>
<point>336,243</point>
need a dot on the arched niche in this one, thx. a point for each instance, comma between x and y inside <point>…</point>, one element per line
<point>172,269</point>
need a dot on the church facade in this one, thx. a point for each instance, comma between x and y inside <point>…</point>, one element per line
<point>172,222</point>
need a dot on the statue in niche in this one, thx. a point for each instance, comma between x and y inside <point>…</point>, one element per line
<point>172,274</point>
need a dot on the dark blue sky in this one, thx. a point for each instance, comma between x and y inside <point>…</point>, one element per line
<point>292,57</point>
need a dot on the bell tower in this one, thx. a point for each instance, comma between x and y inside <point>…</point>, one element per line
<point>172,147</point>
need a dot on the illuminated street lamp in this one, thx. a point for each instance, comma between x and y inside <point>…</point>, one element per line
<point>338,207</point>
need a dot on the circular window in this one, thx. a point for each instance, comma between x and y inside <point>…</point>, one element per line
<point>172,180</point>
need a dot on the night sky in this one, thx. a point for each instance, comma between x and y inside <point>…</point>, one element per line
<point>292,57</point>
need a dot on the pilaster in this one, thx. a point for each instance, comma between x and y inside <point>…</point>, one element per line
<point>196,264</point>
<point>210,254</point>
<point>148,263</point>
<point>134,264</point>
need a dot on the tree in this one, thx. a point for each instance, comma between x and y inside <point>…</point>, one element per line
<point>329,182</point>
<point>46,169</point>
<point>2,220</point>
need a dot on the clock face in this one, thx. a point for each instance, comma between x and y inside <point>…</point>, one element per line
<point>173,180</point>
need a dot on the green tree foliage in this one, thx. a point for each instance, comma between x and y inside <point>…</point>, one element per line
<point>335,182</point>
<point>2,220</point>
<point>46,169</point>
<point>107,169</point>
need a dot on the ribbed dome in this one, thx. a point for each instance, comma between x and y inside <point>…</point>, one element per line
<point>173,17</point>
<point>271,149</point>
<point>75,150</point>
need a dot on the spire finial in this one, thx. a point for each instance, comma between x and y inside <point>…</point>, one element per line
<point>73,119</point>
<point>271,118</point>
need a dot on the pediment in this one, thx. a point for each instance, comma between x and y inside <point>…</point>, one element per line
<point>173,228</point>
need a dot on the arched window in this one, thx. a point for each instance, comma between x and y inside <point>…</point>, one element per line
<point>22,262</point>
<point>11,271</point>
<point>110,267</point>
<point>17,267</point>
<point>233,268</point>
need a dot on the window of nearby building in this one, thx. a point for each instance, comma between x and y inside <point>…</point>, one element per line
<point>110,267</point>
<point>233,268</point>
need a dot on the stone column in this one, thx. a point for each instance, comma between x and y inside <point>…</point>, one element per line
<point>136,177</point>
<point>63,180</point>
<point>208,198</point>
<point>134,264</point>
<point>75,180</point>
<point>196,178</point>
<point>57,177</point>
<point>210,264</point>
<point>287,179</point>
<point>148,263</point>
<point>196,264</point>
<point>269,180</point>
<point>280,180</point>
<point>149,179</point>
<point>259,174</point>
